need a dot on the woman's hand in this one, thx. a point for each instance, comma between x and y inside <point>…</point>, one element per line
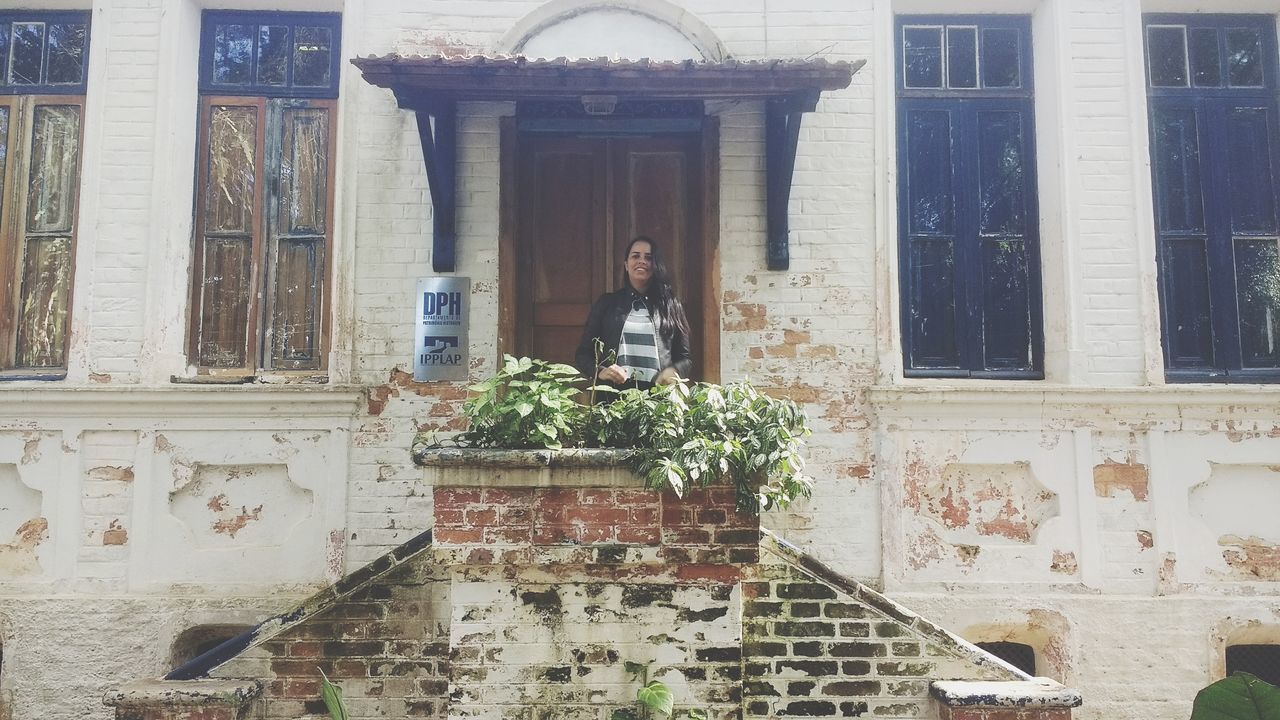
<point>668,376</point>
<point>615,374</point>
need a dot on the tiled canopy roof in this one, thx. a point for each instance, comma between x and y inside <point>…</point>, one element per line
<point>481,77</point>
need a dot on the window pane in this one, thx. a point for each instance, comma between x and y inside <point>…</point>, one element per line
<point>1244,58</point>
<point>233,54</point>
<point>1000,54</point>
<point>1000,176</point>
<point>5,36</point>
<point>273,55</point>
<point>27,50</point>
<point>1206,69</point>
<point>1006,306</point>
<point>4,145</point>
<point>1176,151</point>
<point>42,318</point>
<point>1261,661</point>
<point>929,195</point>
<point>229,196</point>
<point>1167,56</point>
<point>55,159</point>
<point>66,53</point>
<point>933,304</point>
<point>311,57</point>
<point>1249,172</point>
<point>304,172</point>
<point>224,302</point>
<point>299,283</point>
<point>922,57</point>
<point>962,57</point>
<point>1184,274</point>
<point>1258,285</point>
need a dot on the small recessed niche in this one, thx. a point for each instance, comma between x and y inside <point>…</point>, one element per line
<point>196,641</point>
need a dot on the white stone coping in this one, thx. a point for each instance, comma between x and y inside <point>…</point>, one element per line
<point>222,401</point>
<point>487,467</point>
<point>1037,692</point>
<point>179,693</point>
<point>1038,395</point>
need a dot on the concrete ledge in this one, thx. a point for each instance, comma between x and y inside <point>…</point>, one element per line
<point>1035,693</point>
<point>486,467</point>
<point>184,693</point>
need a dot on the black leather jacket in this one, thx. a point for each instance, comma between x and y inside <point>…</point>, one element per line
<point>605,322</point>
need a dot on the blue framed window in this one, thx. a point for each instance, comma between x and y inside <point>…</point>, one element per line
<point>1215,157</point>
<point>272,54</point>
<point>967,213</point>
<point>43,53</point>
<point>264,192</point>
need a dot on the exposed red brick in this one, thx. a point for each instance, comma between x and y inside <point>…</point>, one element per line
<point>457,536</point>
<point>504,496</point>
<point>508,535</point>
<point>557,498</point>
<point>644,516</point>
<point>556,534</point>
<point>515,516</point>
<point>597,496</point>
<point>598,534</point>
<point>482,516</point>
<point>635,497</point>
<point>686,536</point>
<point>304,649</point>
<point>597,515</point>
<point>448,516</point>
<point>452,497</point>
<point>724,574</point>
<point>301,688</point>
<point>639,535</point>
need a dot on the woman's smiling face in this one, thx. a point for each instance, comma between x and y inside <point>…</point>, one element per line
<point>639,265</point>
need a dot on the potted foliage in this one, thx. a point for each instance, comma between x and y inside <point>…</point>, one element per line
<point>677,436</point>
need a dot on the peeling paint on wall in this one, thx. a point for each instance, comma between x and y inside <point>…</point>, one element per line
<point>1251,557</point>
<point>19,557</point>
<point>115,534</point>
<point>1112,477</point>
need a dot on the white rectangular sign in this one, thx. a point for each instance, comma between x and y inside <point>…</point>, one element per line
<point>440,343</point>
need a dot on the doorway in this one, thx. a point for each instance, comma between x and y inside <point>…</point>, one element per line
<point>571,204</point>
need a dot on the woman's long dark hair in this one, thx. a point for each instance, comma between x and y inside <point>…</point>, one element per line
<point>661,295</point>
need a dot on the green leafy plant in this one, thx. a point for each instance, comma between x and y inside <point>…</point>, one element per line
<point>690,435</point>
<point>528,404</point>
<point>332,696</point>
<point>1238,697</point>
<point>682,436</point>
<point>653,698</point>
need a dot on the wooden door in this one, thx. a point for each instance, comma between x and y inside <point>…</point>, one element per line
<point>580,202</point>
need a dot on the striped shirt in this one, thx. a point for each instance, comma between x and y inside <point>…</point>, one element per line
<point>638,346</point>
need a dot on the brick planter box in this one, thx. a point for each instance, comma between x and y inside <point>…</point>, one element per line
<point>563,567</point>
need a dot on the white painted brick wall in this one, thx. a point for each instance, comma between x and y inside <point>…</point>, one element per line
<point>824,330</point>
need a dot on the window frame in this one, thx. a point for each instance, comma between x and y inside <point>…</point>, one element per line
<point>48,17</point>
<point>970,337</point>
<point>13,233</point>
<point>271,105</point>
<point>1223,297</point>
<point>210,19</point>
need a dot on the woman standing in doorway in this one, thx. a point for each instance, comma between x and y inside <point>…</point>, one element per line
<point>642,327</point>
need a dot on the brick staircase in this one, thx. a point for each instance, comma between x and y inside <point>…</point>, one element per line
<point>530,597</point>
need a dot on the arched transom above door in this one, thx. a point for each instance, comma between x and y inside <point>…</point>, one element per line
<point>631,29</point>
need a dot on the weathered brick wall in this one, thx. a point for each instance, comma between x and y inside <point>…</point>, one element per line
<point>812,649</point>
<point>386,647</point>
<point>555,589</point>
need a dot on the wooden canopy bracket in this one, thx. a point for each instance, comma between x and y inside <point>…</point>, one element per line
<point>782,137</point>
<point>438,132</point>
